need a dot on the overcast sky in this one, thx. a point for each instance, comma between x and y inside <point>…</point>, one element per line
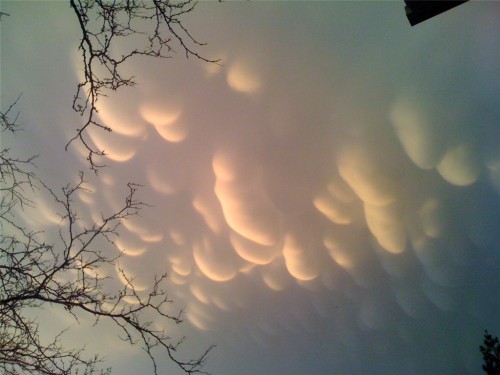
<point>326,201</point>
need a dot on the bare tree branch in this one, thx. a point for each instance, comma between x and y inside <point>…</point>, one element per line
<point>68,273</point>
<point>103,25</point>
<point>15,173</point>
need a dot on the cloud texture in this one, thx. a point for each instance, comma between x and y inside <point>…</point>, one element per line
<point>327,200</point>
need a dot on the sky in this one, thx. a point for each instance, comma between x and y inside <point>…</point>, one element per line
<point>326,201</point>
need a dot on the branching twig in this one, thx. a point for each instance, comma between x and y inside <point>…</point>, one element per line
<point>103,25</point>
<point>66,273</point>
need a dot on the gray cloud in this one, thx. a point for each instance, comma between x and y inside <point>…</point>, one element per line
<point>326,201</point>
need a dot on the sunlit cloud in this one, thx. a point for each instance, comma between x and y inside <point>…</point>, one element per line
<point>121,120</point>
<point>214,260</point>
<point>324,195</point>
<point>243,78</point>
<point>130,249</point>
<point>365,175</point>
<point>166,122</point>
<point>337,212</point>
<point>386,225</point>
<point>246,206</point>
<point>210,211</point>
<point>252,251</point>
<point>459,165</point>
<point>420,136</point>
<point>115,146</point>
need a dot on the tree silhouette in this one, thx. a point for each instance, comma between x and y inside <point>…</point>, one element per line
<point>158,24</point>
<point>491,354</point>
<point>68,273</point>
<point>68,269</point>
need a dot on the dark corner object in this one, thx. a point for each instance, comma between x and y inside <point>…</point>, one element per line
<point>420,10</point>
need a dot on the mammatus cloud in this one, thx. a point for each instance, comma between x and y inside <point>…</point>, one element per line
<point>305,199</point>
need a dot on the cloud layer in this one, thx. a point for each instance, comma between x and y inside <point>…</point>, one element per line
<point>326,200</point>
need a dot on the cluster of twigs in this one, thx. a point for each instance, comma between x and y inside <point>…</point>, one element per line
<point>68,272</point>
<point>158,24</point>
